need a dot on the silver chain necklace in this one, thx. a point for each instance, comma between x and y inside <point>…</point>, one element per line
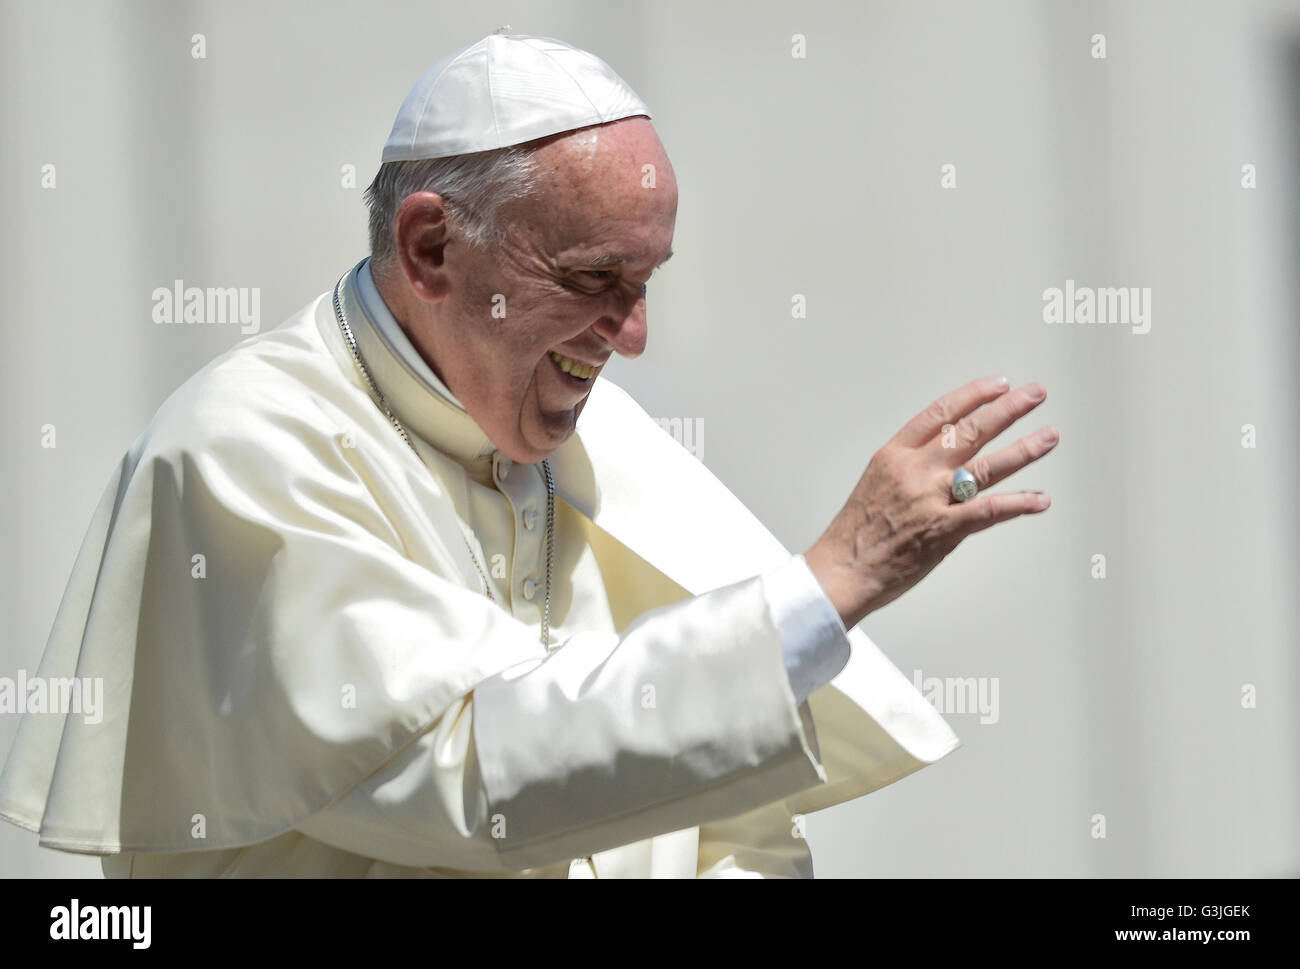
<point>350,340</point>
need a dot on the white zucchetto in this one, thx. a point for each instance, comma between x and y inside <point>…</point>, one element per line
<point>503,90</point>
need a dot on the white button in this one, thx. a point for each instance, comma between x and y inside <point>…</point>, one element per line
<point>530,589</point>
<point>530,518</point>
<point>503,467</point>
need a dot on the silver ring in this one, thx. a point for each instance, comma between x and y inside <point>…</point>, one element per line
<point>963,485</point>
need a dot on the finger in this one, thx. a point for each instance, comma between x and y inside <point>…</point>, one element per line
<point>950,408</point>
<point>987,510</point>
<point>964,440</point>
<point>989,470</point>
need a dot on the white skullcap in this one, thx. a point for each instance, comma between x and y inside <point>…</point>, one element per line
<point>504,90</point>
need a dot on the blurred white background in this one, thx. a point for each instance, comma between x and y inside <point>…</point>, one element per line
<point>1118,696</point>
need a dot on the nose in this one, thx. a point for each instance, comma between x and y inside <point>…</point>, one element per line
<point>625,332</point>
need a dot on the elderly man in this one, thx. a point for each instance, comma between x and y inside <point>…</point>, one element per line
<point>404,587</point>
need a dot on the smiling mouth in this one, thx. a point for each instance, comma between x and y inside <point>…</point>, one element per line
<point>579,371</point>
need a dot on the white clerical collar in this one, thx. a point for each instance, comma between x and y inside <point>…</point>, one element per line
<point>417,397</point>
<point>393,332</point>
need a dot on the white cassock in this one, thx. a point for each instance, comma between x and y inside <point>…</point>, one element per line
<point>302,674</point>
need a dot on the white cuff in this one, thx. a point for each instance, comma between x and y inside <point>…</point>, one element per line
<point>814,642</point>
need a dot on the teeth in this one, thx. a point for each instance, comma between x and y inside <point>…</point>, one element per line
<point>572,367</point>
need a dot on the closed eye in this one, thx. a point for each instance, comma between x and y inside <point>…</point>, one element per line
<point>598,278</point>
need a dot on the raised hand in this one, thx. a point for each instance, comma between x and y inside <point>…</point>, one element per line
<point>902,519</point>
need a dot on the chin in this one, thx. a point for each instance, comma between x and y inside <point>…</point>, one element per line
<point>543,443</point>
<point>526,449</point>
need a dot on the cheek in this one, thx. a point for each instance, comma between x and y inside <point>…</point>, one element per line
<point>528,339</point>
<point>510,339</point>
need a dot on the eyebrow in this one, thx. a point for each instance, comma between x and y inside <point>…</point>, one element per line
<point>615,258</point>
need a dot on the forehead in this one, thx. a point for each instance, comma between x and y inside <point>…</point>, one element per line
<point>605,193</point>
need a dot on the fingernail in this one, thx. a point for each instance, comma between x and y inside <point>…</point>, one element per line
<point>1048,435</point>
<point>1035,392</point>
<point>1002,383</point>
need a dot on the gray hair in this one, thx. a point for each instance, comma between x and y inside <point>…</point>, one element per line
<point>474,187</point>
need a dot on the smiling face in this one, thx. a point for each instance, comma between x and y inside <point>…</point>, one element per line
<point>519,334</point>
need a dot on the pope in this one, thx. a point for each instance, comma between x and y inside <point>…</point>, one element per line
<point>405,586</point>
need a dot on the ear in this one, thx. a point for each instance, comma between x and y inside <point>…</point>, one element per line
<point>420,236</point>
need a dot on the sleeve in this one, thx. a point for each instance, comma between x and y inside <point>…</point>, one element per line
<point>769,841</point>
<point>687,717</point>
<point>814,642</point>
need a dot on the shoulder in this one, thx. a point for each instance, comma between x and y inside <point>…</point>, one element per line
<point>272,433</point>
<point>273,393</point>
